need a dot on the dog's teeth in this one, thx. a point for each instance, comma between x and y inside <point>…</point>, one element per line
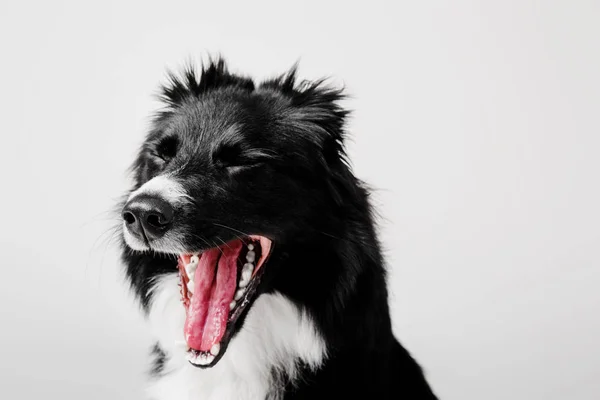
<point>202,359</point>
<point>199,359</point>
<point>246,275</point>
<point>214,350</point>
<point>232,305</point>
<point>190,286</point>
<point>250,246</point>
<point>191,270</point>
<point>192,266</point>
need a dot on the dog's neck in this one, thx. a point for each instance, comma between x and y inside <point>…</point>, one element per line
<point>260,359</point>
<point>333,274</point>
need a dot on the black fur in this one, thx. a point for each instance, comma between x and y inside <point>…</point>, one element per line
<point>282,173</point>
<point>158,360</point>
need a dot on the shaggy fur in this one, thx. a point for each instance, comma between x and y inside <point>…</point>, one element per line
<point>236,158</point>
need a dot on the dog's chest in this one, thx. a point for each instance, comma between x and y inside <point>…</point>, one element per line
<point>187,382</point>
<point>275,336</point>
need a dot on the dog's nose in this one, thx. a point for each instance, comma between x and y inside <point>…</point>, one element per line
<point>148,216</point>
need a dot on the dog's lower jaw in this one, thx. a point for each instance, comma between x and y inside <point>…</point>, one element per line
<point>276,336</point>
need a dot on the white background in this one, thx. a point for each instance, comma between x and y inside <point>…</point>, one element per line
<point>477,123</point>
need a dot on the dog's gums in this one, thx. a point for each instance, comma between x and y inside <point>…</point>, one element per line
<point>217,285</point>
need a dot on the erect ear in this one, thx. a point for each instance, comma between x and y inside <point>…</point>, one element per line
<point>315,112</point>
<point>314,106</point>
<point>189,83</point>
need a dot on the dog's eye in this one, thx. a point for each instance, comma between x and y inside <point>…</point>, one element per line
<point>166,149</point>
<point>235,158</point>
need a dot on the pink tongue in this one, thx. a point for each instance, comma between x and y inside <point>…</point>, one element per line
<point>209,307</point>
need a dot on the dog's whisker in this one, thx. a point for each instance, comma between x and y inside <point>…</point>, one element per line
<point>230,228</point>
<point>348,240</point>
<point>224,243</point>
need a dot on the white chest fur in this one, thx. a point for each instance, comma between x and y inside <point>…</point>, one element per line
<point>275,335</point>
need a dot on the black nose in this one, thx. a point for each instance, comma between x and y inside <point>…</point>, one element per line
<point>148,217</point>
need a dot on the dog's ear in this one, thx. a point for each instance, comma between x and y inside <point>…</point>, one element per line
<point>191,84</point>
<point>315,113</point>
<point>314,106</point>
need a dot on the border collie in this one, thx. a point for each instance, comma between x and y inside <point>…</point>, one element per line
<point>252,248</point>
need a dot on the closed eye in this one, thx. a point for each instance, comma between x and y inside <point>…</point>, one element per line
<point>234,158</point>
<point>232,169</point>
<point>166,148</point>
<point>245,163</point>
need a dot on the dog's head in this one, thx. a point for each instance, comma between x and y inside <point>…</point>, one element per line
<point>229,173</point>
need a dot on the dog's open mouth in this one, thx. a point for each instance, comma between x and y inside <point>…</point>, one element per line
<point>217,285</point>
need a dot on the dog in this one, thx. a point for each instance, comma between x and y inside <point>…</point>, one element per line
<point>252,248</point>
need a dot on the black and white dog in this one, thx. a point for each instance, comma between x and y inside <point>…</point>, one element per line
<point>252,248</point>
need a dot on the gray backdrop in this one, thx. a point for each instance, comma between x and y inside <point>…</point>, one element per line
<point>476,122</point>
